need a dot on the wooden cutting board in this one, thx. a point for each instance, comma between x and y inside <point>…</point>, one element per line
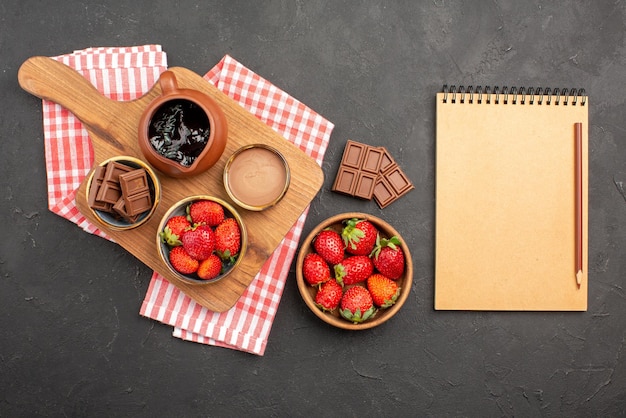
<point>113,126</point>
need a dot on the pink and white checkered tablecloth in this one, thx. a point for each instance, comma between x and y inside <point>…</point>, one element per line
<point>128,73</point>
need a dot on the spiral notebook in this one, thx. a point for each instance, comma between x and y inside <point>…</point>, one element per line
<point>511,199</point>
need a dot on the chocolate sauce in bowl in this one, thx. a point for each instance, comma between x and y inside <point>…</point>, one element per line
<point>179,131</point>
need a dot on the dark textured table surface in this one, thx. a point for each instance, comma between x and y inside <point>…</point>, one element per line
<point>73,343</point>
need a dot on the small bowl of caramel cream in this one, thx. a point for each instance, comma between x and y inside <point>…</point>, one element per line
<point>256,177</point>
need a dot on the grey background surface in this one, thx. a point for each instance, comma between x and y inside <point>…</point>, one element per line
<point>72,341</point>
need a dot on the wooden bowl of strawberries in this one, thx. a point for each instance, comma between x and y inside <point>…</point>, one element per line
<point>354,271</point>
<point>201,239</point>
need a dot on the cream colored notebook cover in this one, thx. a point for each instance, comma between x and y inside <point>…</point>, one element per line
<point>505,200</point>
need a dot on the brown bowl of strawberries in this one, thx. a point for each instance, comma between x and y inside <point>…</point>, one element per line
<point>201,239</point>
<point>354,271</point>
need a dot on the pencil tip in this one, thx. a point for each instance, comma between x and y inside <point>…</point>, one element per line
<point>579,277</point>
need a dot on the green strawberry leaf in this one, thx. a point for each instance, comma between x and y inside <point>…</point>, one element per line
<point>340,273</point>
<point>392,243</point>
<point>370,313</point>
<point>391,301</point>
<point>350,234</point>
<point>169,238</point>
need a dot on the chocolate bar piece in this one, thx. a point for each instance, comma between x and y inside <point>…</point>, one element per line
<point>366,171</point>
<point>365,185</point>
<point>135,192</point>
<point>133,182</point>
<point>391,183</point>
<point>138,203</point>
<point>346,179</point>
<point>386,161</point>
<point>96,183</point>
<point>120,190</point>
<point>109,192</point>
<point>120,208</point>
<point>353,154</point>
<point>383,192</point>
<point>373,159</point>
<point>359,169</point>
<point>114,169</point>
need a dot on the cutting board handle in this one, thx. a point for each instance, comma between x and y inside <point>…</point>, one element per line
<point>52,80</point>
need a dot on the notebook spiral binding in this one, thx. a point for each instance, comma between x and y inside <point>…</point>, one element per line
<point>514,95</point>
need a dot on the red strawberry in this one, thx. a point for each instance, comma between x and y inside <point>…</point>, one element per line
<point>205,212</point>
<point>182,262</point>
<point>388,257</point>
<point>354,269</point>
<point>228,239</point>
<point>329,295</point>
<point>384,291</point>
<point>174,230</point>
<point>359,236</point>
<point>357,305</point>
<point>199,242</point>
<point>329,245</point>
<point>315,270</point>
<point>210,268</point>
